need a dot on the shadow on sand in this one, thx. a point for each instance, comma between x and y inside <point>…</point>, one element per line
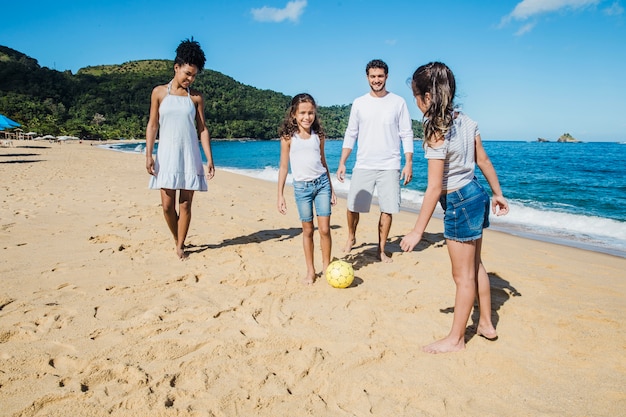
<point>257,237</point>
<point>501,292</point>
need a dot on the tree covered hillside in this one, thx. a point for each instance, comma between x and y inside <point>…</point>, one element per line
<point>113,101</point>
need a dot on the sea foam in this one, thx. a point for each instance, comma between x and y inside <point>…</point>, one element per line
<point>589,232</point>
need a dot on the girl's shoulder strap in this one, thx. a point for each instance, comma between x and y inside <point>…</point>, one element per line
<point>320,138</point>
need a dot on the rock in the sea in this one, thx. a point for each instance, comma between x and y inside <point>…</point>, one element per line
<point>566,137</point>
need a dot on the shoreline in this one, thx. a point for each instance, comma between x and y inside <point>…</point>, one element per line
<point>526,234</point>
<point>98,317</point>
<point>513,230</point>
<point>540,231</point>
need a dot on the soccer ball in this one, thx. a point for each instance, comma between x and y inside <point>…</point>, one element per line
<point>339,274</point>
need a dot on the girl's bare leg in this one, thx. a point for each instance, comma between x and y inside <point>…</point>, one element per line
<point>462,255</point>
<point>485,326</point>
<point>184,219</point>
<point>323,226</point>
<point>168,202</point>
<point>307,243</point>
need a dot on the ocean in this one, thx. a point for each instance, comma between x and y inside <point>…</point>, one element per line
<point>566,193</point>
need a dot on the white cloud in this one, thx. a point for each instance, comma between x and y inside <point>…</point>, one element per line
<point>614,10</point>
<point>529,8</point>
<point>292,11</point>
<point>525,29</point>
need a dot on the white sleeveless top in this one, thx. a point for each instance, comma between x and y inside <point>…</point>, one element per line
<point>178,163</point>
<point>305,158</point>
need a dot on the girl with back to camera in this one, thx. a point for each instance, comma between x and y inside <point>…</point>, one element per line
<point>453,147</point>
<point>302,146</point>
<point>177,113</point>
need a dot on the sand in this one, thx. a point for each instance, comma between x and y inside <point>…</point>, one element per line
<point>98,317</point>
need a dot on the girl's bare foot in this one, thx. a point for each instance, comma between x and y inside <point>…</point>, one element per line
<point>488,332</point>
<point>445,345</point>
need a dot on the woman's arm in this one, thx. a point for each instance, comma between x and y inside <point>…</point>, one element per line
<point>153,127</point>
<point>203,134</point>
<point>499,205</point>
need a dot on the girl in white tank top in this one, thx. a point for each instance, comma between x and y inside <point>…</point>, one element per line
<point>302,147</point>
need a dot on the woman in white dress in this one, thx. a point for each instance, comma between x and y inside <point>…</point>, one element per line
<point>177,114</point>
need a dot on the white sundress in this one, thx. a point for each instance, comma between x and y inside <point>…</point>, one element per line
<point>178,163</point>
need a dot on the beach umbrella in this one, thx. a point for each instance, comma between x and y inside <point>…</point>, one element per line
<point>47,137</point>
<point>6,123</point>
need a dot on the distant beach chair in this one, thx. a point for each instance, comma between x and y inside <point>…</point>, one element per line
<point>6,143</point>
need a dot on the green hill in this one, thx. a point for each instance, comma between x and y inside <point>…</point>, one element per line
<point>113,101</point>
<point>149,66</point>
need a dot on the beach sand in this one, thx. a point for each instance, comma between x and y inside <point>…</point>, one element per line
<point>98,317</point>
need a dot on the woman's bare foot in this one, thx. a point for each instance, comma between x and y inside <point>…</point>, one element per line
<point>445,345</point>
<point>182,255</point>
<point>348,246</point>
<point>488,332</point>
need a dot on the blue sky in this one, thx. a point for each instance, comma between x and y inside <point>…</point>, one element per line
<point>525,68</point>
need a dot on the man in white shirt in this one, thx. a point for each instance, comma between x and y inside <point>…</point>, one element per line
<point>381,123</point>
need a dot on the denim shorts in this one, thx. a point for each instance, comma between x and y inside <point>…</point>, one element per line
<point>466,212</point>
<point>309,193</point>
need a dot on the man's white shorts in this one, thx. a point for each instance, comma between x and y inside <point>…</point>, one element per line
<point>362,185</point>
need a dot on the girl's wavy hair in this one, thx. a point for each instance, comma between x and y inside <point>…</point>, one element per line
<point>290,126</point>
<point>436,79</point>
<point>189,52</point>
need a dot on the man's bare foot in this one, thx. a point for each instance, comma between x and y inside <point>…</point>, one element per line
<point>488,332</point>
<point>384,258</point>
<point>348,246</point>
<point>445,345</point>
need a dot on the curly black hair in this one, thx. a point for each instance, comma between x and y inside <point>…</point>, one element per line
<point>189,52</point>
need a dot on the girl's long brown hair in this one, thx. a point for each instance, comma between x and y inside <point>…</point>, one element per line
<point>436,79</point>
<point>290,126</point>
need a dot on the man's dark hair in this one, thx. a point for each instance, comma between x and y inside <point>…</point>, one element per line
<point>376,63</point>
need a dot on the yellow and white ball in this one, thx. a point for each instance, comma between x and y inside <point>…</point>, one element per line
<point>339,274</point>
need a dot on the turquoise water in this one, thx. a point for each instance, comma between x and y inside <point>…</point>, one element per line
<point>568,193</point>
